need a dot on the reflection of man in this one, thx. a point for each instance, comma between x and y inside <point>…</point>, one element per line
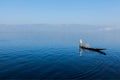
<point>80,45</point>
<point>80,51</point>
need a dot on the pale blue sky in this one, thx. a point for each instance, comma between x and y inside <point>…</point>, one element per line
<point>95,12</point>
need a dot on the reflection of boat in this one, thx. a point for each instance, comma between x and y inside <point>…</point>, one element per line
<point>92,49</point>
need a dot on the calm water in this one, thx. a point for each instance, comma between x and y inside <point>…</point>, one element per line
<point>37,52</point>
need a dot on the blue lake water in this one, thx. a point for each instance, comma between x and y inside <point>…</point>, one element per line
<point>52,52</point>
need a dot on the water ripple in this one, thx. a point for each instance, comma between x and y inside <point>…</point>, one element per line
<point>49,63</point>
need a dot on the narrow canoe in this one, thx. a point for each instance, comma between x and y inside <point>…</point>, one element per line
<point>96,49</point>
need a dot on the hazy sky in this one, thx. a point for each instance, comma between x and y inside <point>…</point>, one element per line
<point>95,12</point>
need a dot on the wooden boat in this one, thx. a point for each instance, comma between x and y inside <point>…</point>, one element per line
<point>89,48</point>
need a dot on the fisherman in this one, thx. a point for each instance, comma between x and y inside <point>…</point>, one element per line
<point>80,43</point>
